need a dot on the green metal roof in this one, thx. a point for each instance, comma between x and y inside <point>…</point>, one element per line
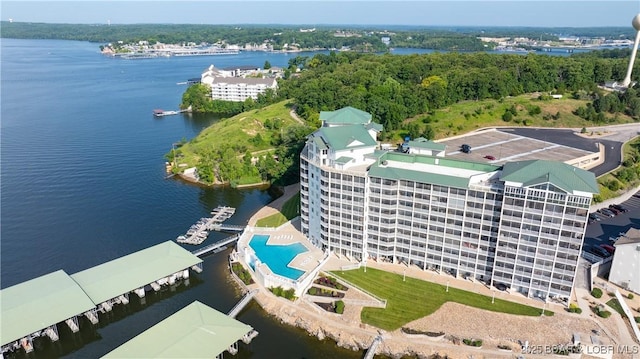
<point>346,116</point>
<point>196,331</point>
<point>135,270</point>
<point>446,162</point>
<point>344,159</point>
<point>566,177</point>
<point>344,137</point>
<point>379,169</point>
<point>376,126</point>
<point>319,143</point>
<point>38,303</point>
<point>421,142</point>
<point>418,176</point>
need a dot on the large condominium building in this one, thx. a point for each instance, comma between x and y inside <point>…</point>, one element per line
<point>520,225</point>
<point>232,85</point>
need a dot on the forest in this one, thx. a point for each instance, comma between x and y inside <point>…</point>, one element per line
<point>393,88</point>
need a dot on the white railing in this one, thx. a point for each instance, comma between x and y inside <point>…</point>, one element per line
<point>349,284</point>
<point>627,312</point>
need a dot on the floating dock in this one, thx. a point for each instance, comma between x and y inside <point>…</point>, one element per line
<point>200,230</point>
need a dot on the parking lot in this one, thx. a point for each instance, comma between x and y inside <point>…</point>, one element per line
<point>497,147</point>
<point>599,232</point>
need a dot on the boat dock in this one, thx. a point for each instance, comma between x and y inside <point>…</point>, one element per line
<point>215,247</point>
<point>162,113</point>
<point>242,303</point>
<point>200,230</point>
<point>373,348</point>
<point>87,293</point>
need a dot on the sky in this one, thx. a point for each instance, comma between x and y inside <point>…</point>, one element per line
<point>560,13</point>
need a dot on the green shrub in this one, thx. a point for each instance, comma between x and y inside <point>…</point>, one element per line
<point>312,291</point>
<point>596,292</point>
<point>604,313</point>
<point>630,295</point>
<point>574,308</point>
<point>472,342</point>
<point>339,307</point>
<point>637,319</point>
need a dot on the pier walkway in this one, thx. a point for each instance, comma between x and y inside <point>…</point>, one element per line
<point>373,348</point>
<point>200,231</point>
<point>215,247</point>
<point>242,303</point>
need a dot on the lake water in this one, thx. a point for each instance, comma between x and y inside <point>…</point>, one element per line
<point>83,183</point>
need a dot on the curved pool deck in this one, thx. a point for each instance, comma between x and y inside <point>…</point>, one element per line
<point>278,257</point>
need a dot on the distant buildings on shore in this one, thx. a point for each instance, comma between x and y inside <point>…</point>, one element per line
<point>239,83</point>
<point>520,225</point>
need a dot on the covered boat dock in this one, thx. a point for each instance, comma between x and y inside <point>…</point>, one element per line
<point>33,308</point>
<point>110,283</point>
<point>196,331</point>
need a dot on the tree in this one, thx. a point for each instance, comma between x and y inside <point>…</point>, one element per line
<point>267,65</point>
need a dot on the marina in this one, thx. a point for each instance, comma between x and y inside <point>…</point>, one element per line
<point>200,230</point>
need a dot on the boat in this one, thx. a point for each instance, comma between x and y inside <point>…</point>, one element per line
<point>160,113</point>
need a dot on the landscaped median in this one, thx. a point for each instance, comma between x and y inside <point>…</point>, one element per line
<point>410,299</point>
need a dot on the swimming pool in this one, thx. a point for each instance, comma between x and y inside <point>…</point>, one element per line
<point>277,257</point>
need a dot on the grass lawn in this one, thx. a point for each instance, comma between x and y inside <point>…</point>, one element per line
<point>290,210</point>
<point>412,299</point>
<point>239,130</point>
<point>467,116</point>
<point>613,303</point>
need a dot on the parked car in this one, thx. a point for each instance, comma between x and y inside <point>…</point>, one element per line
<point>619,207</point>
<point>489,157</point>
<point>606,212</point>
<point>465,148</point>
<point>501,286</point>
<point>614,210</point>
<point>598,251</point>
<point>594,217</point>
<point>608,248</point>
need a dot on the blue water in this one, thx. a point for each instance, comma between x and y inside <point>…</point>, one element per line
<point>277,257</point>
<point>82,183</point>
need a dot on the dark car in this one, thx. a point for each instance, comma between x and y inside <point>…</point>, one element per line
<point>465,148</point>
<point>606,212</point>
<point>501,286</point>
<point>619,207</point>
<point>489,157</point>
<point>599,251</point>
<point>594,217</point>
<point>614,210</point>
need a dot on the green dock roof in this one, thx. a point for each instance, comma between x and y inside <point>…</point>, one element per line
<point>38,303</point>
<point>135,270</point>
<point>196,331</point>
<point>566,177</point>
<point>345,116</point>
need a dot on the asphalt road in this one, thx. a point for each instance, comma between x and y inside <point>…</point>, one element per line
<point>566,137</point>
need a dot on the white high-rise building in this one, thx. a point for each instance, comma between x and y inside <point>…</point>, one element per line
<point>520,225</point>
